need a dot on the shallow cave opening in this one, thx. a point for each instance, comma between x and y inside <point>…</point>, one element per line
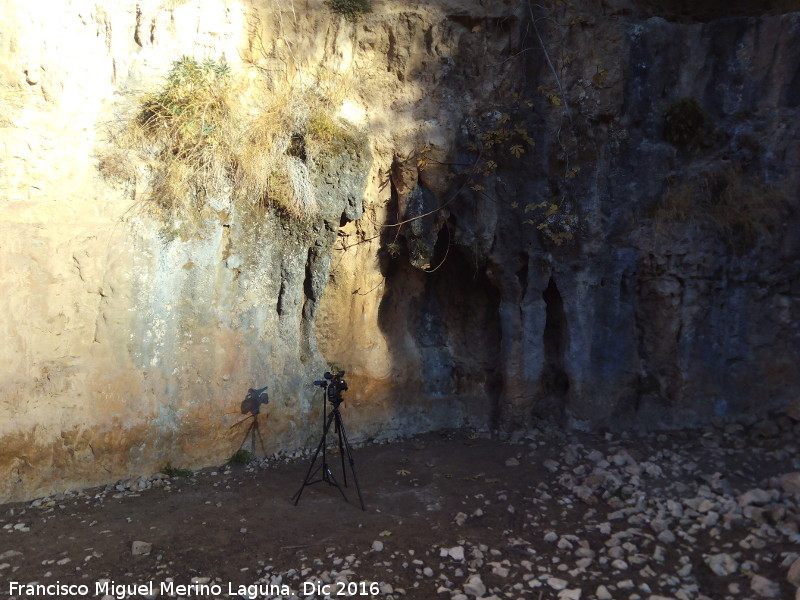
<point>554,379</point>
<point>442,324</point>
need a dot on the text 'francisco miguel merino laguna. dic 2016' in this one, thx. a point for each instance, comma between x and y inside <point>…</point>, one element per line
<point>120,591</point>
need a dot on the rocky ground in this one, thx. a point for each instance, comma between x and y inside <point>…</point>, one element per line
<point>544,514</point>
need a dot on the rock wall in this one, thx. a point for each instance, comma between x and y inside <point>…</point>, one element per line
<point>570,279</point>
<point>641,279</point>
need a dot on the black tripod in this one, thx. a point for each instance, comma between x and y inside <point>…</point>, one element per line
<point>332,387</point>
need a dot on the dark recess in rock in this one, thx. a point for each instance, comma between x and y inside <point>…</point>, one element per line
<point>554,380</point>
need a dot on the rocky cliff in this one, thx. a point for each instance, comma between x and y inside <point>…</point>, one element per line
<point>586,213</point>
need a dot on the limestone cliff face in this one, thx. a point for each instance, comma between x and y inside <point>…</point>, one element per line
<point>594,271</point>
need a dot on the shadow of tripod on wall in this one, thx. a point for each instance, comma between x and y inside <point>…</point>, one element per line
<point>251,406</point>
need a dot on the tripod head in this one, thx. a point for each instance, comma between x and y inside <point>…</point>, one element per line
<point>333,384</point>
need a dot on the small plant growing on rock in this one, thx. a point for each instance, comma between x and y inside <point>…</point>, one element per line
<point>241,458</point>
<point>176,472</point>
<point>683,121</point>
<point>556,224</point>
<point>350,9</point>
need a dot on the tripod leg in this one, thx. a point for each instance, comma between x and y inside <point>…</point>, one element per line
<point>343,437</point>
<point>327,475</point>
<point>341,447</point>
<point>307,479</point>
<point>326,470</point>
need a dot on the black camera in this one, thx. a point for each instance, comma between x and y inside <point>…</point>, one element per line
<point>334,384</point>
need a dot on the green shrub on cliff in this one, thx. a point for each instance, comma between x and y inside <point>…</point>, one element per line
<point>350,9</point>
<point>683,121</point>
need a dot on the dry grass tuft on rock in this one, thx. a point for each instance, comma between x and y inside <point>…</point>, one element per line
<point>211,135</point>
<point>191,129</point>
<point>740,209</point>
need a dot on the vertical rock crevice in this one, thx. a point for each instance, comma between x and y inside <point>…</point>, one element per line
<point>554,379</point>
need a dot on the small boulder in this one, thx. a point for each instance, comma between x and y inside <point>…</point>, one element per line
<point>790,482</point>
<point>764,588</point>
<point>141,548</point>
<point>722,564</point>
<point>793,576</point>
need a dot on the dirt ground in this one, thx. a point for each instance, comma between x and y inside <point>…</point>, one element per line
<point>451,514</point>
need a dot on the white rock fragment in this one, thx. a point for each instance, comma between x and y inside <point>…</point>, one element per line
<point>500,571</point>
<point>474,586</point>
<point>386,588</point>
<point>793,409</point>
<point>722,564</point>
<point>705,505</point>
<point>764,588</point>
<point>666,537</point>
<point>793,576</point>
<point>564,544</point>
<point>602,593</point>
<point>626,584</point>
<point>790,482</point>
<point>139,548</point>
<point>595,456</point>
<point>377,545</point>
<point>456,553</point>
<point>556,583</point>
<point>756,496</point>
<point>550,465</point>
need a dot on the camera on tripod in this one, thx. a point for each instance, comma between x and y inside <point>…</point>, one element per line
<point>334,385</point>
